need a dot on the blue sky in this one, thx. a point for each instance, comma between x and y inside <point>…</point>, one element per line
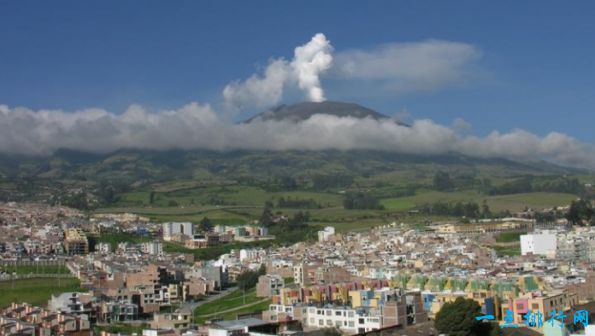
<point>535,70</point>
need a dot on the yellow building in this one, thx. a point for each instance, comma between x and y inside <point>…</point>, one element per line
<point>75,242</point>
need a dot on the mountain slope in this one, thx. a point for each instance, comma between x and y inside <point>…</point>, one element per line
<point>303,111</point>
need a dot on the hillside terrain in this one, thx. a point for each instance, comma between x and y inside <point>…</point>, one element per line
<point>353,188</point>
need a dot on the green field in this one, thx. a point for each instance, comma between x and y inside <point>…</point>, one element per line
<point>114,238</point>
<point>35,269</point>
<point>509,237</point>
<point>246,302</point>
<point>513,202</point>
<point>192,195</point>
<point>508,251</point>
<point>35,291</point>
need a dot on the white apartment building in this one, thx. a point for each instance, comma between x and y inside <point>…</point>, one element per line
<point>172,229</point>
<point>325,234</point>
<point>152,248</point>
<point>103,248</point>
<point>540,243</point>
<point>248,254</point>
<point>348,320</point>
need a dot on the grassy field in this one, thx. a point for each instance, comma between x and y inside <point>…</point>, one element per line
<point>194,195</point>
<point>507,251</point>
<point>114,238</point>
<point>35,291</point>
<point>536,200</point>
<point>397,204</point>
<point>246,302</point>
<point>35,269</point>
<point>513,202</point>
<point>509,237</point>
<point>240,204</point>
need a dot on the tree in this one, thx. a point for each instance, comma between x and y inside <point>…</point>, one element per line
<point>299,221</point>
<point>205,225</point>
<point>580,212</point>
<point>248,279</point>
<point>360,200</point>
<point>266,219</point>
<point>458,319</point>
<point>442,181</point>
<point>485,210</point>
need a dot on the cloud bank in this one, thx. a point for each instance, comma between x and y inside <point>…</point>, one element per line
<point>411,66</point>
<point>197,126</point>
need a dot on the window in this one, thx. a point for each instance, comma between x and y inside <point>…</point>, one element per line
<point>329,312</point>
<point>338,324</point>
<point>351,324</point>
<point>320,322</point>
<point>329,323</point>
<point>338,313</point>
<point>535,307</point>
<point>519,306</point>
<point>350,314</point>
<point>361,321</point>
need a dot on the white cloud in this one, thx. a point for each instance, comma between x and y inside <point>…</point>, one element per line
<point>197,126</point>
<point>404,67</point>
<point>309,62</point>
<point>392,68</point>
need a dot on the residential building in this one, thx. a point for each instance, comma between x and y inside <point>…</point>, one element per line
<point>75,242</point>
<point>539,243</point>
<point>269,285</point>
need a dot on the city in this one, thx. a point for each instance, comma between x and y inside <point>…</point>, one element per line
<point>316,168</point>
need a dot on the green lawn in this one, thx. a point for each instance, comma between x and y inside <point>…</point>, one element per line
<point>237,195</point>
<point>508,250</point>
<point>512,202</point>
<point>35,269</point>
<point>397,204</point>
<point>35,291</point>
<point>229,301</point>
<point>536,200</point>
<point>509,237</point>
<point>114,238</point>
<point>234,299</point>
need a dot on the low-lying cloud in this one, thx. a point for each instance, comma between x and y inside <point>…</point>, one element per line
<point>399,67</point>
<point>197,126</point>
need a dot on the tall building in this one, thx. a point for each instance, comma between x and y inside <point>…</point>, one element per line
<point>325,234</point>
<point>177,230</point>
<point>543,243</point>
<point>75,242</point>
<point>153,248</point>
